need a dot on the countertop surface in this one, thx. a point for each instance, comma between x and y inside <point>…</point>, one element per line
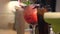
<point>9,32</point>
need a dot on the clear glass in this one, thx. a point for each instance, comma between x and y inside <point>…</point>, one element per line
<point>31,30</point>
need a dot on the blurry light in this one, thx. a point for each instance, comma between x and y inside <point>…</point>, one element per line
<point>12,4</point>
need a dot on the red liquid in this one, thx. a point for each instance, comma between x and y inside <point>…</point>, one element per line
<point>30,14</point>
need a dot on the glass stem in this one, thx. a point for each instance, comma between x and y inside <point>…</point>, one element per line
<point>33,29</point>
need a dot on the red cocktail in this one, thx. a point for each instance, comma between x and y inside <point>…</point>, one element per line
<point>30,15</point>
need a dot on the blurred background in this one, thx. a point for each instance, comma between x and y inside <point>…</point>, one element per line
<point>7,17</point>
